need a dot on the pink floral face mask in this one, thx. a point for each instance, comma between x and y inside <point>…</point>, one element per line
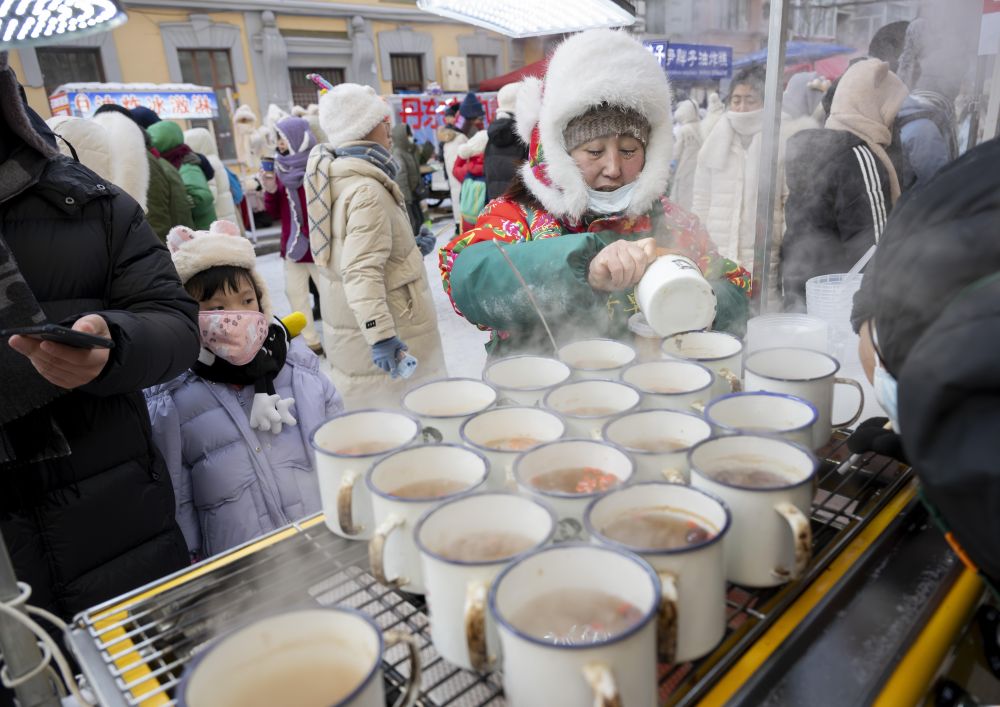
<point>235,336</point>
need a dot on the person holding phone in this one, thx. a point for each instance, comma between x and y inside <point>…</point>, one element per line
<point>86,503</point>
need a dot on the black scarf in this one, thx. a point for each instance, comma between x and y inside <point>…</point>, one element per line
<point>260,372</point>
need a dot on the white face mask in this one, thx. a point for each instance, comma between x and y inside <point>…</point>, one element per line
<point>887,394</point>
<point>610,202</point>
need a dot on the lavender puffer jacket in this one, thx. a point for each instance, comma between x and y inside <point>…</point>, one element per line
<point>234,483</point>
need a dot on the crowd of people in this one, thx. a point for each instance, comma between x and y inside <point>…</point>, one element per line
<point>190,436</point>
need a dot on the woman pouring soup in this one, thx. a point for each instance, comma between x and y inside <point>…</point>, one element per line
<point>586,214</point>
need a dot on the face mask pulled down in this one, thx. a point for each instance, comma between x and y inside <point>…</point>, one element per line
<point>610,202</point>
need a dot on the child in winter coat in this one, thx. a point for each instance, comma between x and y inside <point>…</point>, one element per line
<point>469,170</point>
<point>234,428</point>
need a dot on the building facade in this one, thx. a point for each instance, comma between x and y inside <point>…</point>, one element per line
<point>258,52</point>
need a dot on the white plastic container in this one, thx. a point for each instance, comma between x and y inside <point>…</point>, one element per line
<point>769,331</point>
<point>674,296</point>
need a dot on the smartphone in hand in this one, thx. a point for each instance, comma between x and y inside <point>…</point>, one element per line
<point>61,335</point>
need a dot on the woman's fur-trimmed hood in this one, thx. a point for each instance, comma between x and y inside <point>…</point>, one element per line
<point>588,69</point>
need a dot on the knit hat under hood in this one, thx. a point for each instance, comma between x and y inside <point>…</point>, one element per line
<point>605,120</point>
<point>222,244</point>
<point>596,69</point>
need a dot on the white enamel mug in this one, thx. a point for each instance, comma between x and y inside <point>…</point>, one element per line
<point>571,454</point>
<point>501,434</point>
<point>392,553</point>
<point>457,583</point>
<point>761,412</point>
<point>805,374</point>
<point>443,405</point>
<point>720,352</point>
<point>771,541</point>
<point>617,670</point>
<point>658,441</point>
<point>597,358</point>
<point>671,384</point>
<point>330,656</point>
<point>674,296</point>
<point>588,405</point>
<point>346,446</point>
<point>693,578</point>
<point>524,380</point>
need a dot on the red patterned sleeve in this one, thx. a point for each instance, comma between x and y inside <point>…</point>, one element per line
<point>691,236</point>
<point>501,219</point>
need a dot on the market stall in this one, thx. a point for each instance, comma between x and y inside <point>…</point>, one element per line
<point>174,101</point>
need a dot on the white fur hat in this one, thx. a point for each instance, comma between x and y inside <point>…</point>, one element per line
<point>507,98</point>
<point>349,111</point>
<point>588,69</point>
<point>222,244</point>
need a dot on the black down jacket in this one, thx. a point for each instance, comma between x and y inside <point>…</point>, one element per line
<point>838,204</point>
<point>504,152</point>
<point>84,528</point>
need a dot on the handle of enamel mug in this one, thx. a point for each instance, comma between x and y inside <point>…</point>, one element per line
<point>735,384</point>
<point>345,505</point>
<point>412,690</point>
<point>431,435</point>
<point>861,401</point>
<point>673,476</point>
<point>376,551</point>
<point>475,625</point>
<point>666,618</point>
<point>602,682</point>
<point>801,541</point>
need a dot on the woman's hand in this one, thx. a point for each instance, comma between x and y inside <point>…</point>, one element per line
<point>621,264</point>
<point>268,181</point>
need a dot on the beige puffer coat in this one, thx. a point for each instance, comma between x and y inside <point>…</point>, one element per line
<point>374,283</point>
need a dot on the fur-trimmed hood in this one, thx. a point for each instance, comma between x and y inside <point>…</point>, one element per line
<point>588,69</point>
<point>88,139</point>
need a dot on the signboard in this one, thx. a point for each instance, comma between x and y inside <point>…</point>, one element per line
<point>424,112</point>
<point>989,32</point>
<point>693,62</point>
<point>169,101</point>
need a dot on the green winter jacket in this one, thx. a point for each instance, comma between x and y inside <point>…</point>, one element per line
<point>487,291</point>
<point>167,202</point>
<point>168,137</point>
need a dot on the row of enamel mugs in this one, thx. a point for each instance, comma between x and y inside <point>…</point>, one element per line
<point>696,368</point>
<point>491,615</point>
<point>375,483</point>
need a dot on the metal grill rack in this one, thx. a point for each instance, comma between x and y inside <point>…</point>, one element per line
<point>134,649</point>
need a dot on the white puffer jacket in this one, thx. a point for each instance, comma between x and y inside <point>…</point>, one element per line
<point>200,140</point>
<point>111,145</point>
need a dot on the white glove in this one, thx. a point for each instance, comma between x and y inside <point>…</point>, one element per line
<point>264,414</point>
<point>284,411</point>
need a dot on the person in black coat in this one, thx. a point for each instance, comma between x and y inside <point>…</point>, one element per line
<point>841,182</point>
<point>928,313</point>
<point>504,151</point>
<point>86,504</point>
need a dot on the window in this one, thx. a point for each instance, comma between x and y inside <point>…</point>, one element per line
<point>212,67</point>
<point>407,72</point>
<point>481,67</point>
<point>61,65</point>
<point>305,91</point>
<point>736,15</point>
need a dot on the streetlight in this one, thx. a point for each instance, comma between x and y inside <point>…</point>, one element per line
<point>530,18</point>
<point>29,22</point>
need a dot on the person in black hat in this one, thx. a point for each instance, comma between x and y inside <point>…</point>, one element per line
<point>472,112</point>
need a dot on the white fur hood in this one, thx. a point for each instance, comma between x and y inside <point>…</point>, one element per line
<point>590,68</point>
<point>200,140</point>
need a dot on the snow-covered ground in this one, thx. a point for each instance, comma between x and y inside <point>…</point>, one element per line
<point>463,343</point>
